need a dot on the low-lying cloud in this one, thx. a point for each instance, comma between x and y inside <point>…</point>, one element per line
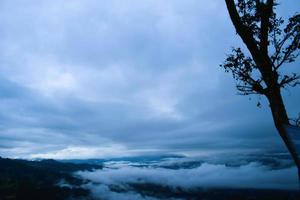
<point>122,176</point>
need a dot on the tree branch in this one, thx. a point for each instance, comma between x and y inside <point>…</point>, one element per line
<point>292,80</point>
<point>244,32</point>
<point>265,11</point>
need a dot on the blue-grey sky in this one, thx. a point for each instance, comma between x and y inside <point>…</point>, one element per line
<point>102,78</point>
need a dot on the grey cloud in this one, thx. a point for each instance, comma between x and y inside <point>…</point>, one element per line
<point>142,75</point>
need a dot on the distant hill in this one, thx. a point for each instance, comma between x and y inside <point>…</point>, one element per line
<point>139,159</point>
<point>37,180</point>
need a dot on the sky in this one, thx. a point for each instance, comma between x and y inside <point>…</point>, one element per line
<point>111,78</point>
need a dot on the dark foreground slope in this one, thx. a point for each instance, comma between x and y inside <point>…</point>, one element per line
<point>21,179</point>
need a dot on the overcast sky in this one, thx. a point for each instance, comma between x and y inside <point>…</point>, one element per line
<point>102,78</point>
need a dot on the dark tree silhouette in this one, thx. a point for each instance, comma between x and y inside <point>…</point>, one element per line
<point>272,44</point>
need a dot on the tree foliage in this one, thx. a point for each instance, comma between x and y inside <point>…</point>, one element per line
<point>275,42</point>
<point>272,43</point>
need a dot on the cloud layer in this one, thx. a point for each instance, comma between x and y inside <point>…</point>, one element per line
<point>121,179</point>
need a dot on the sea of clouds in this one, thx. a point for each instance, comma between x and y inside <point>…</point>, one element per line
<point>116,179</point>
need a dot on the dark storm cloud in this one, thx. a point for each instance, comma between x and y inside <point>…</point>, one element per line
<point>105,78</point>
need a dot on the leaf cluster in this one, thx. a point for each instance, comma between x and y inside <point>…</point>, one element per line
<point>274,41</point>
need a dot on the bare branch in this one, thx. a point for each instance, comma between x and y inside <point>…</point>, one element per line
<point>265,12</point>
<point>244,31</point>
<point>291,80</point>
<point>291,51</point>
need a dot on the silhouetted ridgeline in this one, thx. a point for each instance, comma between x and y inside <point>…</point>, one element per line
<point>37,180</point>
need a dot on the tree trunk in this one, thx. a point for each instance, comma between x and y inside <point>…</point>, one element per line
<point>260,56</point>
<point>281,119</point>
